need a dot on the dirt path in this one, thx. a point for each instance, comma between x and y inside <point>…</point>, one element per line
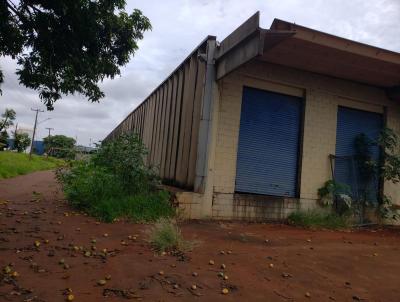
<point>292,265</point>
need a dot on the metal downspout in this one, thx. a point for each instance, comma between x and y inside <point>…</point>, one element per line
<point>203,149</point>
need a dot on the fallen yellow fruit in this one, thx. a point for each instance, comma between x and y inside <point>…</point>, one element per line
<point>225,291</point>
<point>101,282</point>
<point>70,297</point>
<point>7,269</point>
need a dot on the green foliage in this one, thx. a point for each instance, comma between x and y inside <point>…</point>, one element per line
<point>85,184</point>
<point>21,141</point>
<point>390,145</point>
<point>331,190</point>
<point>3,140</point>
<point>115,183</point>
<point>387,209</point>
<point>7,119</point>
<point>60,146</point>
<point>14,164</point>
<point>124,158</point>
<point>165,235</point>
<point>318,219</point>
<point>69,46</point>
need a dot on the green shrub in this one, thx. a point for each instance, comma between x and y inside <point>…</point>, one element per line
<point>318,219</point>
<point>165,235</point>
<point>115,183</point>
<point>124,158</point>
<point>60,146</point>
<point>85,184</point>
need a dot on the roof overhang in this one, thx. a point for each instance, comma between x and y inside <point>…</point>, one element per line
<point>306,49</point>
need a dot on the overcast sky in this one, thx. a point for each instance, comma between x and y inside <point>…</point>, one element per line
<point>178,26</point>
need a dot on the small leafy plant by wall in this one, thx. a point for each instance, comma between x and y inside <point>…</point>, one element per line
<point>116,183</point>
<point>370,172</point>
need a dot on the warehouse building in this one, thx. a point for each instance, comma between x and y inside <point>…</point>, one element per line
<point>246,128</point>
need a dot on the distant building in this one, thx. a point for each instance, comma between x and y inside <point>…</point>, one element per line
<point>85,149</point>
<point>38,146</point>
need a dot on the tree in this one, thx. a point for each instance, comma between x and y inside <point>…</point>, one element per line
<point>3,140</point>
<point>21,141</point>
<point>60,146</point>
<point>7,119</point>
<point>69,46</point>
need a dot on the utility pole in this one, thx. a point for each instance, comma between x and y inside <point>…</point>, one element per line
<point>34,130</point>
<point>48,128</point>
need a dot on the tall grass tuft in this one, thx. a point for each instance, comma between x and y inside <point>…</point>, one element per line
<point>165,235</point>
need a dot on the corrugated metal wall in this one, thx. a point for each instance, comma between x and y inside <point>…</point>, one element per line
<point>168,121</point>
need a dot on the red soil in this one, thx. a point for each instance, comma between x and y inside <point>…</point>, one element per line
<point>292,265</point>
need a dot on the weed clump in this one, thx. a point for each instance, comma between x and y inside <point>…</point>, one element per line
<point>318,219</point>
<point>165,235</point>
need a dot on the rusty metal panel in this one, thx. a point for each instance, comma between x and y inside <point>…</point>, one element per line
<point>171,129</point>
<point>168,127</point>
<point>157,159</point>
<point>177,122</point>
<point>186,126</point>
<point>164,129</point>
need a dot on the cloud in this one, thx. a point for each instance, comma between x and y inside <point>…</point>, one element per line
<point>179,26</point>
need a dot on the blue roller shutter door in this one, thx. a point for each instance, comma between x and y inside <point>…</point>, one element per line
<point>267,159</point>
<point>350,123</point>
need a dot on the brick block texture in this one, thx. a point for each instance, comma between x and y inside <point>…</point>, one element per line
<point>322,95</point>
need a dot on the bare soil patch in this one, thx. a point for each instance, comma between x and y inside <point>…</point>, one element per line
<point>263,262</point>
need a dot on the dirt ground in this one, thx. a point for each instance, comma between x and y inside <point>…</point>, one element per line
<point>263,262</point>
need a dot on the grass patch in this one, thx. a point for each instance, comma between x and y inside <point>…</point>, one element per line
<point>137,208</point>
<point>318,219</point>
<point>14,164</point>
<point>166,236</point>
